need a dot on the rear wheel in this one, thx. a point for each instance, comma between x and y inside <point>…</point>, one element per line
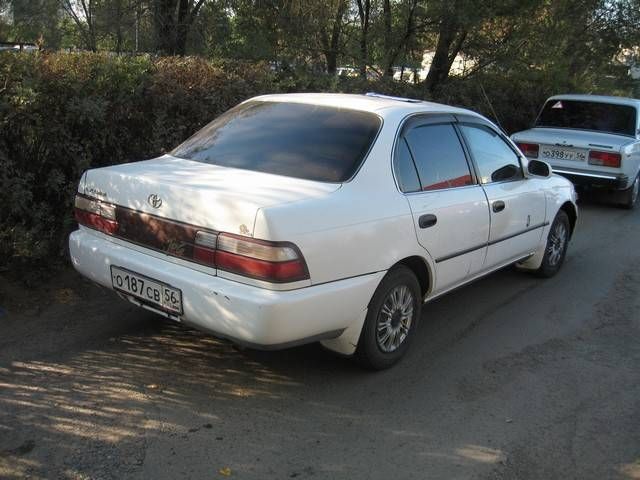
<point>556,247</point>
<point>630,195</point>
<point>392,318</point>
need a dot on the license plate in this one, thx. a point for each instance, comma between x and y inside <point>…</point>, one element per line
<point>147,289</point>
<point>556,153</point>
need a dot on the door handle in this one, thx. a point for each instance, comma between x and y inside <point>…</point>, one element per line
<point>426,221</point>
<point>497,206</point>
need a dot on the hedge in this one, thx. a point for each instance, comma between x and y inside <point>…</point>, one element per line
<point>62,113</point>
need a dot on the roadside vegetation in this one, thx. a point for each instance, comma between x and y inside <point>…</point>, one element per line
<point>125,80</point>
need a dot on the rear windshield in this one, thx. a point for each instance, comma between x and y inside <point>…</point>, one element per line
<point>600,117</point>
<point>292,139</point>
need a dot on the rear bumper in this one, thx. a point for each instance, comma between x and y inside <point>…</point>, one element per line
<point>244,314</point>
<point>616,181</point>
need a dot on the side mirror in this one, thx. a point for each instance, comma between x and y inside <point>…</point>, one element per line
<point>505,173</point>
<point>539,168</point>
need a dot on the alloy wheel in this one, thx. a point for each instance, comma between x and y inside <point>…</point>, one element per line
<point>394,319</point>
<point>557,242</point>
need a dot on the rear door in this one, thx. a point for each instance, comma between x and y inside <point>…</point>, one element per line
<point>516,203</point>
<point>449,208</point>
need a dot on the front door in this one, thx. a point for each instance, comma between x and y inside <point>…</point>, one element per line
<point>516,203</point>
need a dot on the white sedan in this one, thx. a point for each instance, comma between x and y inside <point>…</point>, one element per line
<point>592,140</point>
<point>320,217</point>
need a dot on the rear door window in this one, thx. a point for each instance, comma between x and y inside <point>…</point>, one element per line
<point>595,116</point>
<point>439,157</point>
<point>405,169</point>
<point>299,140</point>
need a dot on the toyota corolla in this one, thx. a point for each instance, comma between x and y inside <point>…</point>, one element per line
<point>301,218</point>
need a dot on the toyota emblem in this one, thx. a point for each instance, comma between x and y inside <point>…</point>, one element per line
<point>154,200</point>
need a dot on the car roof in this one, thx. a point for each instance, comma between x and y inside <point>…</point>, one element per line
<point>379,104</point>
<point>598,98</point>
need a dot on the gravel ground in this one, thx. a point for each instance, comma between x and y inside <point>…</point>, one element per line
<point>512,377</point>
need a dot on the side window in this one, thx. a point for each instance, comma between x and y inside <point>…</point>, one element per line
<point>404,169</point>
<point>495,160</point>
<point>439,157</point>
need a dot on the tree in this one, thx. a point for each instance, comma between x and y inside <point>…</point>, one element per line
<point>397,40</point>
<point>82,13</point>
<point>173,20</point>
<point>34,20</point>
<point>364,15</point>
<point>330,35</point>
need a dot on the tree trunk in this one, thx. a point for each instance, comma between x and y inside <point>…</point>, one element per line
<point>386,12</point>
<point>84,21</point>
<point>164,26</point>
<point>449,35</point>
<point>118,26</point>
<point>331,45</point>
<point>392,51</point>
<point>337,32</point>
<point>182,26</point>
<point>364,8</point>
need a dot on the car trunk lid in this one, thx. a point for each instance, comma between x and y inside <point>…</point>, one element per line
<point>570,148</point>
<point>573,138</point>
<point>197,194</point>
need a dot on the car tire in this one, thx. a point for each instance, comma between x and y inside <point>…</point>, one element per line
<point>555,249</point>
<point>630,195</point>
<point>392,318</point>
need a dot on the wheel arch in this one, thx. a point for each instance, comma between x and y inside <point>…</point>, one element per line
<point>572,212</point>
<point>420,268</point>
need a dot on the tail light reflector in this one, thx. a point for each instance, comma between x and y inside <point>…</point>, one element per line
<point>606,159</point>
<point>529,149</point>
<point>96,214</point>
<point>259,250</point>
<point>204,248</point>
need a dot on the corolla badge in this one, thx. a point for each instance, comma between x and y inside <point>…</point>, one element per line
<point>154,200</point>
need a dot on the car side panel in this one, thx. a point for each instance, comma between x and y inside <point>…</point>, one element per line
<point>345,235</point>
<point>631,160</point>
<point>557,191</point>
<point>516,230</point>
<point>458,240</point>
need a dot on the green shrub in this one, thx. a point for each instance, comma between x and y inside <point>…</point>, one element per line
<point>63,113</point>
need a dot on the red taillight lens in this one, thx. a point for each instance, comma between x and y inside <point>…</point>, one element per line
<point>96,214</point>
<point>606,159</point>
<point>269,261</point>
<point>261,269</point>
<point>529,149</point>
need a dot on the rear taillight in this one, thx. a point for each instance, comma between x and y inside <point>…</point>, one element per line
<point>277,262</point>
<point>529,149</point>
<point>96,214</point>
<point>605,159</point>
<point>204,248</point>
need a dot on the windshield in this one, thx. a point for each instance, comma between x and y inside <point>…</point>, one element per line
<point>596,116</point>
<point>299,140</point>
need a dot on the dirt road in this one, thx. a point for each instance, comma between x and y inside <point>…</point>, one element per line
<point>512,377</point>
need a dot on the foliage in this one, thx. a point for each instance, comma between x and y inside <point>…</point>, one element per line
<point>63,113</point>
